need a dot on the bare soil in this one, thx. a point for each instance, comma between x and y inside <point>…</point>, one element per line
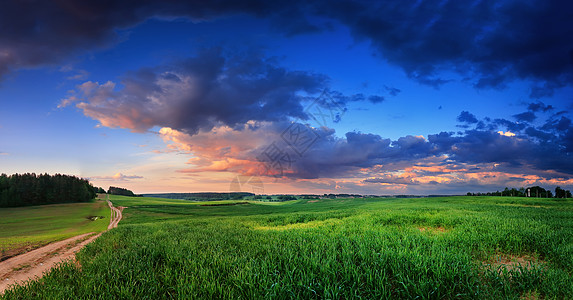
<point>513,262</point>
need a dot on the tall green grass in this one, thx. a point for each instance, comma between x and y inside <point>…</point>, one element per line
<point>433,248</point>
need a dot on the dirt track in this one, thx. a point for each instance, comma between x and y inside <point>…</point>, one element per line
<point>21,268</point>
<point>116,215</point>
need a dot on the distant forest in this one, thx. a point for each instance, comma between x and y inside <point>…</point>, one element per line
<point>113,190</point>
<point>534,191</point>
<point>31,189</point>
<point>202,196</point>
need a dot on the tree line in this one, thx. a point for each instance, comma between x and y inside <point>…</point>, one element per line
<point>31,189</point>
<point>534,191</point>
<point>113,190</point>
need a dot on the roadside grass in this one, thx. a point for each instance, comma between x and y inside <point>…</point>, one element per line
<point>26,228</point>
<point>428,248</point>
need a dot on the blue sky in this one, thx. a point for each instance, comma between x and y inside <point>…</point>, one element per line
<point>435,97</point>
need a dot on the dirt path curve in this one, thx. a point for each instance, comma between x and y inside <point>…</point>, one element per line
<point>21,268</point>
<point>116,215</point>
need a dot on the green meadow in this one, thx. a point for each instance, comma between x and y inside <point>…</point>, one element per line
<point>24,228</point>
<point>426,248</point>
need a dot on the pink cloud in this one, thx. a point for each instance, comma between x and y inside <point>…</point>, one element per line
<point>117,177</point>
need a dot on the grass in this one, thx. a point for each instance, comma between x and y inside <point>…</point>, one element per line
<point>25,228</point>
<point>429,248</point>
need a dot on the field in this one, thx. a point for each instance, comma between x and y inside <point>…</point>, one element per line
<point>25,228</point>
<point>428,248</point>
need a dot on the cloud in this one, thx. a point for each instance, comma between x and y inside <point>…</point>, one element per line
<point>467,117</point>
<point>507,133</point>
<point>510,125</point>
<point>116,177</point>
<point>49,32</point>
<point>201,92</point>
<point>527,116</point>
<point>493,43</point>
<point>533,151</point>
<point>473,160</point>
<point>222,149</point>
<point>540,149</point>
<point>208,90</point>
<point>539,106</point>
<point>391,180</point>
<point>562,124</point>
<point>392,90</point>
<point>441,158</point>
<point>376,99</point>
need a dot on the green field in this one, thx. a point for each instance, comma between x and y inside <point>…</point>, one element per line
<point>427,248</point>
<point>25,228</point>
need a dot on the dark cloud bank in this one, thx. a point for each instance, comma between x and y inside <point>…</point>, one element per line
<point>533,150</point>
<point>491,42</point>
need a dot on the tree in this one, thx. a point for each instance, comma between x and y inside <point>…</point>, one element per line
<point>560,193</point>
<point>538,192</point>
<point>120,191</point>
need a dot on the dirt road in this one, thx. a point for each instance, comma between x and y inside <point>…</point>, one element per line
<point>21,268</point>
<point>116,215</point>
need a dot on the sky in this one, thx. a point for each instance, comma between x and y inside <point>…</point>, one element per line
<point>364,97</point>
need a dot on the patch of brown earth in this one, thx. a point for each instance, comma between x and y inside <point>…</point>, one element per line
<point>531,295</point>
<point>512,262</point>
<point>433,229</point>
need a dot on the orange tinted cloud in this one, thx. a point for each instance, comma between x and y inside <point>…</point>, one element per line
<point>221,149</point>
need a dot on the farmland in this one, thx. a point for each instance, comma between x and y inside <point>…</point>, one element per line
<point>431,248</point>
<point>25,228</point>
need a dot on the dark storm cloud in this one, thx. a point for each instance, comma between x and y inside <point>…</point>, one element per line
<point>331,156</point>
<point>490,147</point>
<point>494,42</point>
<point>477,146</point>
<point>34,33</point>
<point>199,93</point>
<point>541,150</point>
<point>209,90</point>
<point>543,147</point>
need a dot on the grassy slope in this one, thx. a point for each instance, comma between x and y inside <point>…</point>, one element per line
<point>28,227</point>
<point>373,248</point>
